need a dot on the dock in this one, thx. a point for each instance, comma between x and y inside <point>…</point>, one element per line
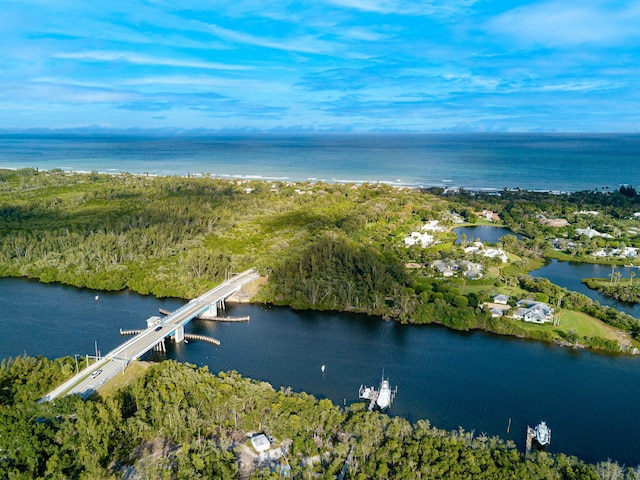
<point>224,319</point>
<point>131,331</point>
<point>531,434</point>
<point>369,393</point>
<point>203,338</point>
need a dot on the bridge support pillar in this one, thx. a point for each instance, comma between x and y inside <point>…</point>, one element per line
<point>213,310</point>
<point>179,335</point>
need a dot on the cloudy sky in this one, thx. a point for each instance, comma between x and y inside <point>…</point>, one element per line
<point>431,65</point>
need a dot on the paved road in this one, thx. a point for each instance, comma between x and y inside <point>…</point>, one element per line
<point>86,382</point>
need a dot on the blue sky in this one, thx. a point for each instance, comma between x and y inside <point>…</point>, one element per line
<point>356,65</point>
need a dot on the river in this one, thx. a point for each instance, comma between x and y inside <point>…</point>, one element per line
<point>473,380</point>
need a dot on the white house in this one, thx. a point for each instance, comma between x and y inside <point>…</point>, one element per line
<point>417,238</point>
<point>590,232</point>
<point>533,312</point>
<point>479,248</point>
<point>447,268</point>
<point>496,253</point>
<point>260,443</point>
<point>501,299</point>
<point>433,226</point>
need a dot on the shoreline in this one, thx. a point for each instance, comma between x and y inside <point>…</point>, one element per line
<point>398,183</point>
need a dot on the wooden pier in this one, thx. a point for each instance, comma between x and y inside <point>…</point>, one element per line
<point>224,319</point>
<point>531,434</point>
<point>369,393</point>
<point>130,331</point>
<point>204,338</point>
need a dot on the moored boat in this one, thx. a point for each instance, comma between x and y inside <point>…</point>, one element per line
<point>543,434</point>
<point>384,397</point>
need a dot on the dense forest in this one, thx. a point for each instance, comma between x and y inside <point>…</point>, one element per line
<point>175,421</point>
<point>322,246</point>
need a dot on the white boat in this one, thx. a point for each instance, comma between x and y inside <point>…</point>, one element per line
<point>543,434</point>
<point>384,397</point>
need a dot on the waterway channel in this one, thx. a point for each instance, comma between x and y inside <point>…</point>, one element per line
<point>570,274</point>
<point>471,380</point>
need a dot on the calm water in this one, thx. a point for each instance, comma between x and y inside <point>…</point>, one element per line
<point>490,161</point>
<point>472,380</point>
<point>485,233</point>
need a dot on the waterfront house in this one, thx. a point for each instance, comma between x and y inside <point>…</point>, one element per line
<point>496,309</point>
<point>533,312</point>
<point>478,248</point>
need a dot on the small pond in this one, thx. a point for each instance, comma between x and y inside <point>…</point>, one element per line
<point>486,233</point>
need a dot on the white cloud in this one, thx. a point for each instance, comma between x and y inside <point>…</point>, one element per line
<point>368,35</point>
<point>105,56</point>
<point>566,24</point>
<point>407,7</point>
<point>304,44</point>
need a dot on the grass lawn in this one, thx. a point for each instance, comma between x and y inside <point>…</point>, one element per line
<point>583,324</point>
<point>134,370</point>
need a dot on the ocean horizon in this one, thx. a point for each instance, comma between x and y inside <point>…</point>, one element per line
<point>474,161</point>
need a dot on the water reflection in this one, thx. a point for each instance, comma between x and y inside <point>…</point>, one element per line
<point>485,233</point>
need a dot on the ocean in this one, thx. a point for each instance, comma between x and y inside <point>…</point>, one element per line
<point>491,161</point>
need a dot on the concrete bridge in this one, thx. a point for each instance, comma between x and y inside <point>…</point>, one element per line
<point>88,380</point>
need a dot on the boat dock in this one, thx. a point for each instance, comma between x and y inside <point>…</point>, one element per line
<point>541,434</point>
<point>224,319</point>
<point>531,434</point>
<point>203,338</point>
<point>369,393</point>
<point>131,331</point>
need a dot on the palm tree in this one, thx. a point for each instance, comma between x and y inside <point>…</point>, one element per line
<point>617,275</point>
<point>631,275</point>
<point>612,274</point>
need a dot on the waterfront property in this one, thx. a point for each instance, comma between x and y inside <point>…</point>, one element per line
<point>533,312</point>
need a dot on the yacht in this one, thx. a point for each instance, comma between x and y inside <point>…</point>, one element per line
<point>384,397</point>
<point>543,434</point>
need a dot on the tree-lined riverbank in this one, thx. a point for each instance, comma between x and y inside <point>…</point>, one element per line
<point>177,421</point>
